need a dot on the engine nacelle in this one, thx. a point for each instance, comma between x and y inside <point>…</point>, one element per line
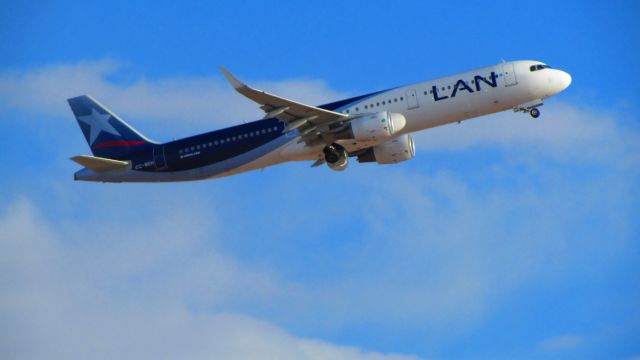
<point>374,127</point>
<point>393,151</point>
<point>336,157</point>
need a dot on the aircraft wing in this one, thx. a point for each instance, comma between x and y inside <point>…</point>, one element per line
<point>306,117</point>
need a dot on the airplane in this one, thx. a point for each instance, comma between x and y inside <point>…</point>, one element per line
<point>374,127</point>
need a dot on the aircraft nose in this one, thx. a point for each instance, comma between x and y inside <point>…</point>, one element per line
<point>564,80</point>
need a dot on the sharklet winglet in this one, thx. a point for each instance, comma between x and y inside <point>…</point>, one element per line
<point>237,84</point>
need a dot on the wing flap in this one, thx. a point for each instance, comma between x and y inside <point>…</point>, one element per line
<point>100,164</point>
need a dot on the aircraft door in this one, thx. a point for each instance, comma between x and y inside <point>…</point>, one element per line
<point>509,74</point>
<point>158,158</point>
<point>412,99</point>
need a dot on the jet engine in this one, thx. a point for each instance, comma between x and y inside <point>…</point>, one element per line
<point>336,157</point>
<point>373,127</point>
<point>390,152</point>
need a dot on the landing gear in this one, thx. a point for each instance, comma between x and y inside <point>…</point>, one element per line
<point>530,108</point>
<point>535,113</point>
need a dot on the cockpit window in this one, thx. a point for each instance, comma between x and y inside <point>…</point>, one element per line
<point>539,67</point>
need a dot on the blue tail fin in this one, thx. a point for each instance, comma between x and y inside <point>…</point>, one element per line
<point>107,134</point>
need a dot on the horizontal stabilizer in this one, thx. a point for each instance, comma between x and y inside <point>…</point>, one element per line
<point>100,164</point>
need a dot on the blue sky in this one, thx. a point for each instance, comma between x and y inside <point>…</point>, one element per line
<point>504,238</point>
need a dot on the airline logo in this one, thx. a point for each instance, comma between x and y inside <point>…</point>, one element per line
<point>98,123</point>
<point>462,85</point>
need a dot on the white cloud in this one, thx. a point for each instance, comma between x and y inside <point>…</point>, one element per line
<point>439,253</point>
<point>64,298</point>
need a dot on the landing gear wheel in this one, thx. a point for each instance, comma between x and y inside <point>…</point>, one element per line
<point>534,113</point>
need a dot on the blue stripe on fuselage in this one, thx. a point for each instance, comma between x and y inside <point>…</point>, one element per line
<point>213,147</point>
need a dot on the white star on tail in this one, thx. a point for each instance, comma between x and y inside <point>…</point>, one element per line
<point>98,123</point>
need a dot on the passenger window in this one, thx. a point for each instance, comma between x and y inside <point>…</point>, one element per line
<point>401,98</point>
<point>215,142</point>
<point>395,100</point>
<point>357,109</point>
